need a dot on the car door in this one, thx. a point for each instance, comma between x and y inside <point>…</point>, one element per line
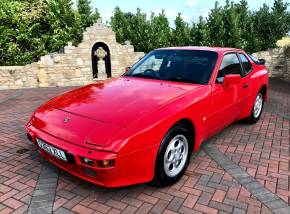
<point>225,100</point>
<point>244,94</point>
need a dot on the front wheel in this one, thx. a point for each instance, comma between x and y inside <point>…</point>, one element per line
<point>173,156</point>
<point>257,109</point>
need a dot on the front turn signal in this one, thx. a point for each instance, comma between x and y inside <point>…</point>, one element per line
<point>106,163</point>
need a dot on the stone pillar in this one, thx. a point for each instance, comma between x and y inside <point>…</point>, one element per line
<point>100,53</point>
<point>102,75</point>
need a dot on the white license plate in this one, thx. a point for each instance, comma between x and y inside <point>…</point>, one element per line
<point>51,150</point>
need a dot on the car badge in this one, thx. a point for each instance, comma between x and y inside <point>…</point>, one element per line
<point>66,119</point>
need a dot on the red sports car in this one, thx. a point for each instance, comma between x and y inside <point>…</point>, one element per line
<point>144,125</point>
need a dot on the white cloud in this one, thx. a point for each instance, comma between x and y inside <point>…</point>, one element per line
<point>205,13</point>
<point>190,3</point>
<point>106,15</point>
<point>186,17</point>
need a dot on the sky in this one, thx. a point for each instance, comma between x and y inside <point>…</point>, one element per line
<point>190,9</point>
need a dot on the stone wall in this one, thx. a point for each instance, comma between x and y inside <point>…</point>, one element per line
<point>19,76</point>
<point>285,41</point>
<point>287,65</point>
<point>277,61</point>
<point>74,66</point>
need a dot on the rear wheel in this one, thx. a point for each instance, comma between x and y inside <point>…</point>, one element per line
<point>257,109</point>
<point>173,156</point>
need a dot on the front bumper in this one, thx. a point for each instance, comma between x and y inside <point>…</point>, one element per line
<point>109,177</point>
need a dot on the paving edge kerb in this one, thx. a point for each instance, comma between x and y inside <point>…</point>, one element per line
<point>265,196</point>
<point>43,196</point>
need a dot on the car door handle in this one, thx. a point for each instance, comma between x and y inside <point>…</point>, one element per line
<point>245,85</point>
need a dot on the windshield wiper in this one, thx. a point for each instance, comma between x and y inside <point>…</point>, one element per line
<point>182,80</point>
<point>143,76</point>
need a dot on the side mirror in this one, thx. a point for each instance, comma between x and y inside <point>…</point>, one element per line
<point>230,79</point>
<point>262,61</point>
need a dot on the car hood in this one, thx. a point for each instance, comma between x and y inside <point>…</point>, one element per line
<point>73,128</point>
<point>120,101</point>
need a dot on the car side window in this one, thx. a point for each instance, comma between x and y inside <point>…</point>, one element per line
<point>245,63</point>
<point>230,65</point>
<point>255,60</point>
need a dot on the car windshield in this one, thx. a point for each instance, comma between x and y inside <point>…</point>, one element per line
<point>189,66</point>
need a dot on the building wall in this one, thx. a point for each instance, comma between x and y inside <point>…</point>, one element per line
<point>74,66</point>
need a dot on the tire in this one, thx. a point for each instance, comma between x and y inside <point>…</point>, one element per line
<point>173,156</point>
<point>257,109</point>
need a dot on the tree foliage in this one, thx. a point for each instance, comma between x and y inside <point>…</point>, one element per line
<point>138,30</point>
<point>271,23</point>
<point>231,25</point>
<point>181,32</point>
<point>21,37</point>
<point>160,31</point>
<point>216,28</point>
<point>85,17</point>
<point>32,28</point>
<point>120,25</point>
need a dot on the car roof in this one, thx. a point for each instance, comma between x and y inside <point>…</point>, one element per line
<point>204,48</point>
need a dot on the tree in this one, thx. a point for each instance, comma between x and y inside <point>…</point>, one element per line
<point>86,16</point>
<point>160,32</point>
<point>139,31</point>
<point>243,22</point>
<point>181,32</point>
<point>264,25</point>
<point>249,40</point>
<point>280,19</point>
<point>231,26</point>
<point>271,24</point>
<point>64,26</point>
<point>22,26</point>
<point>202,33</point>
<point>32,28</point>
<point>215,22</point>
<point>120,25</point>
<point>193,33</point>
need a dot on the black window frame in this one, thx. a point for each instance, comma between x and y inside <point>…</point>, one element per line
<point>242,70</point>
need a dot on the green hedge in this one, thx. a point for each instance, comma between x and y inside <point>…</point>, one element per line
<point>231,25</point>
<point>32,28</point>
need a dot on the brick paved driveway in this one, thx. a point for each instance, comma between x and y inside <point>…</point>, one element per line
<point>260,151</point>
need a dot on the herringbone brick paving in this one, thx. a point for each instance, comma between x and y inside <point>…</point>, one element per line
<point>261,149</point>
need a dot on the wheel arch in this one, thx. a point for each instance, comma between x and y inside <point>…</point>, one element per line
<point>158,178</point>
<point>264,91</point>
<point>191,128</point>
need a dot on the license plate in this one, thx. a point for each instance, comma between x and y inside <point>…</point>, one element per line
<point>51,150</point>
